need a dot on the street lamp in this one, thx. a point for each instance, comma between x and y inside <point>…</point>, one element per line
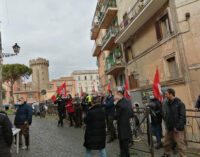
<point>16,49</point>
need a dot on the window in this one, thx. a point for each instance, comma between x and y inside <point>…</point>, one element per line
<point>133,82</point>
<point>85,77</point>
<point>91,78</point>
<point>97,77</point>
<point>163,28</point>
<point>86,89</point>
<point>79,78</point>
<point>172,67</point>
<point>116,80</point>
<point>57,84</point>
<point>70,83</point>
<point>79,84</point>
<point>122,80</point>
<point>30,96</point>
<point>125,19</point>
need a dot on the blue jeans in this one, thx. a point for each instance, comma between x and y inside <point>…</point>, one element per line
<point>157,130</point>
<point>102,151</point>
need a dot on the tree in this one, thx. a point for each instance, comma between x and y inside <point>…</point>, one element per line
<point>12,72</point>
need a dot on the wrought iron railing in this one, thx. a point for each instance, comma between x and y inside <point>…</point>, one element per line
<point>133,13</point>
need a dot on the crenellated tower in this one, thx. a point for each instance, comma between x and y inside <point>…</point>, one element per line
<point>40,75</point>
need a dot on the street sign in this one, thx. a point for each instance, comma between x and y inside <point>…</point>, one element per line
<point>43,92</point>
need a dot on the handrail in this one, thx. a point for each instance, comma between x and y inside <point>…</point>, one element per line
<point>133,13</point>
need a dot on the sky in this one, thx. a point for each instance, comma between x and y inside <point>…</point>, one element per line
<point>57,30</point>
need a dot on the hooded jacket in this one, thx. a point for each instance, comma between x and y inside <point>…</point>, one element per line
<point>6,135</point>
<point>174,114</point>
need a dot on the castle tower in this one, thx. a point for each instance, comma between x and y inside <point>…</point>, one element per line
<point>40,75</point>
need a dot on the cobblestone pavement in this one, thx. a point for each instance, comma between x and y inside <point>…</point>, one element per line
<point>48,140</point>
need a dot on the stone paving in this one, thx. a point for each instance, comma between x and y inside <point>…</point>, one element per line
<point>48,140</point>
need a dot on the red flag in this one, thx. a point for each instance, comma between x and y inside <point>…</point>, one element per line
<point>81,91</point>
<point>126,90</point>
<point>109,86</point>
<point>53,98</point>
<point>157,88</point>
<point>62,90</point>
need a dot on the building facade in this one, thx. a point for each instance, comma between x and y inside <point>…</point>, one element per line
<point>88,80</point>
<point>157,33</point>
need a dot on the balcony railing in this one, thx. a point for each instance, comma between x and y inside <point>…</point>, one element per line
<point>133,13</point>
<point>108,39</point>
<point>114,61</point>
<point>140,13</point>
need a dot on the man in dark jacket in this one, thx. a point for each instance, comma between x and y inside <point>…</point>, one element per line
<point>110,111</point>
<point>6,135</point>
<point>23,120</point>
<point>95,133</point>
<point>61,102</point>
<point>77,111</point>
<point>175,119</point>
<point>156,119</point>
<point>123,114</point>
<point>197,106</point>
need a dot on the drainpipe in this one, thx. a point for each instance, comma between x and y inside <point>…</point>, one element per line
<point>181,48</point>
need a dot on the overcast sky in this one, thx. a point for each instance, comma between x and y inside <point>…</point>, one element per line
<point>58,30</point>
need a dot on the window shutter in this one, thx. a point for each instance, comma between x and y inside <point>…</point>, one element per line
<point>158,31</point>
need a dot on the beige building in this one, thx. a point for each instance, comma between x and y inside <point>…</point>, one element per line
<point>87,80</point>
<point>154,33</point>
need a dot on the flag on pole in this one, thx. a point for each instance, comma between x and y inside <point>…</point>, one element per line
<point>62,90</point>
<point>81,91</point>
<point>157,88</point>
<point>94,86</point>
<point>53,98</point>
<point>126,90</point>
<point>109,86</point>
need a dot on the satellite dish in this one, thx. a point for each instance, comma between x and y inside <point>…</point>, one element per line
<point>43,92</point>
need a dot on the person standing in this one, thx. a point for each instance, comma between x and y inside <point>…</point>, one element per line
<point>23,120</point>
<point>61,109</point>
<point>156,119</point>
<point>6,135</point>
<point>175,119</point>
<point>110,111</point>
<point>122,115</point>
<point>86,103</point>
<point>78,111</point>
<point>95,133</point>
<point>70,109</point>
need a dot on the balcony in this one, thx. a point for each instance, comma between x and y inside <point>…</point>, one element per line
<point>141,12</point>
<point>95,28</point>
<point>114,62</point>
<point>108,13</point>
<point>109,39</point>
<point>96,49</point>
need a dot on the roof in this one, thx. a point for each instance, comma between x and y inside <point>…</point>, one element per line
<point>79,72</point>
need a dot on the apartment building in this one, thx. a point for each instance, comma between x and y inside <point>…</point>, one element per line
<point>109,54</point>
<point>88,80</point>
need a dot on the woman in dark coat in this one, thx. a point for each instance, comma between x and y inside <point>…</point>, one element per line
<point>95,134</point>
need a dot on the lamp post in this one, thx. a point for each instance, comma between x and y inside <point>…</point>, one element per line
<point>16,50</point>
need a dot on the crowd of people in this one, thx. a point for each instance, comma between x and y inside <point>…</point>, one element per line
<point>98,113</point>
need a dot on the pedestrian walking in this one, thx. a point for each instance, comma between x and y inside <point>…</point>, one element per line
<point>156,120</point>
<point>123,114</point>
<point>95,134</point>
<point>174,116</point>
<point>61,101</point>
<point>70,109</point>
<point>110,111</point>
<point>6,135</point>
<point>23,120</point>
<point>77,111</point>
